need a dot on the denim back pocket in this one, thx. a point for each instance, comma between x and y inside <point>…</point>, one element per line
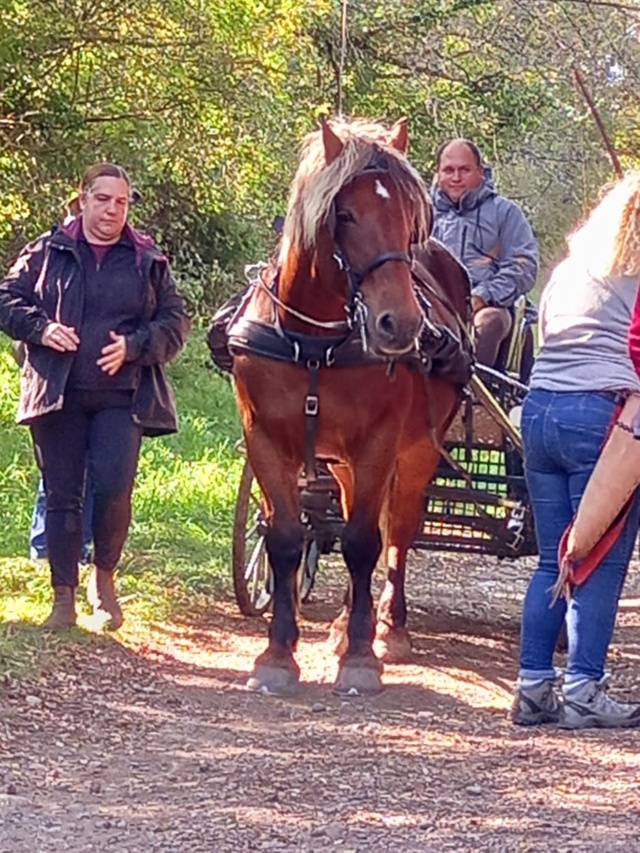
<point>582,424</point>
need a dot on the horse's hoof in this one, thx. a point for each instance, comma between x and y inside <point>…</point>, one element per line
<point>393,645</point>
<point>274,681</point>
<point>358,679</point>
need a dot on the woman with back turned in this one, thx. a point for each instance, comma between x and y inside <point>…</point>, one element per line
<point>583,371</point>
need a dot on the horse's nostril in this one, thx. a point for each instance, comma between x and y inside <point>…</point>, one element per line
<point>387,325</point>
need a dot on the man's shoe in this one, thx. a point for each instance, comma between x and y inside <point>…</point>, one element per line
<point>535,703</point>
<point>101,595</point>
<point>63,613</point>
<point>586,705</point>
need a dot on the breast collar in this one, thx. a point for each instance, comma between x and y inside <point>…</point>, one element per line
<point>271,340</point>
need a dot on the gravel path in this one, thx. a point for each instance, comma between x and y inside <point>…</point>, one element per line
<point>155,747</point>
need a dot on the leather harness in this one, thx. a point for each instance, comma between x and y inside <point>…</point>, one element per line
<point>314,352</point>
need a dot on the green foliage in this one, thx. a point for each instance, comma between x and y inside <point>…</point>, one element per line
<point>206,104</point>
<point>188,97</point>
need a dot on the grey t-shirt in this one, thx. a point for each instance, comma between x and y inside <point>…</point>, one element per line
<point>584,323</point>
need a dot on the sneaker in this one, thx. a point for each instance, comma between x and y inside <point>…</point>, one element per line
<point>586,705</point>
<point>534,703</point>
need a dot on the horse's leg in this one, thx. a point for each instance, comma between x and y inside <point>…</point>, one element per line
<point>403,513</point>
<point>275,670</point>
<point>359,670</point>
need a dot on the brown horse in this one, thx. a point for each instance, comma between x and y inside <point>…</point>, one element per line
<point>343,285</point>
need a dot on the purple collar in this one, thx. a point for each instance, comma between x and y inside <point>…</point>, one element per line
<point>140,242</point>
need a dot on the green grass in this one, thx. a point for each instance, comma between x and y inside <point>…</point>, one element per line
<point>178,551</point>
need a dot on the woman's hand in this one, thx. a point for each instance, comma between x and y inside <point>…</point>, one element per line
<point>59,337</point>
<point>113,355</point>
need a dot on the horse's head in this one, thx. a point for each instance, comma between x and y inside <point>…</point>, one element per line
<point>359,211</point>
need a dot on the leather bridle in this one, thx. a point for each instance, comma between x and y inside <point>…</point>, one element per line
<point>356,308</point>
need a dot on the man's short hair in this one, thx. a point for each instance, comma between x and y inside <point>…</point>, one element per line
<point>477,156</point>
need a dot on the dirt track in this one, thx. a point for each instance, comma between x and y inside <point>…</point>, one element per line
<point>157,747</point>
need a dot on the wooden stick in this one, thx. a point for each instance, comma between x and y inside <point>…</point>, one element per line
<point>615,162</point>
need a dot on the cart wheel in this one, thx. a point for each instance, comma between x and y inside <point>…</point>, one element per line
<point>252,581</point>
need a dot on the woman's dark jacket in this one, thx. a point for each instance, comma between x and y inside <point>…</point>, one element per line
<point>47,284</point>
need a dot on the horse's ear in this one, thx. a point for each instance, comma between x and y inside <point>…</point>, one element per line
<point>332,143</point>
<point>398,137</point>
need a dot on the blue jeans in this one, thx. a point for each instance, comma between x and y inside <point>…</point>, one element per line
<point>563,433</point>
<point>37,539</point>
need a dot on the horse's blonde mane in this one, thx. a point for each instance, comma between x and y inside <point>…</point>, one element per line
<point>316,184</point>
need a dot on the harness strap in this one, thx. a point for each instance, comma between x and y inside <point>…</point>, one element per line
<point>258,338</point>
<point>311,409</point>
<point>356,277</point>
<point>311,321</point>
<point>428,286</point>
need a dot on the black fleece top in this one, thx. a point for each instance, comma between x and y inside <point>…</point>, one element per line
<point>114,296</point>
<point>47,283</point>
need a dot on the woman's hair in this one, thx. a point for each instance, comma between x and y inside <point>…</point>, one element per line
<point>102,170</point>
<point>608,243</point>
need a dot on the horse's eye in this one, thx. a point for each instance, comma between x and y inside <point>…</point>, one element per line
<point>345,216</point>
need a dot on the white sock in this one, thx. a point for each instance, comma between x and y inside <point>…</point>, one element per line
<point>530,683</point>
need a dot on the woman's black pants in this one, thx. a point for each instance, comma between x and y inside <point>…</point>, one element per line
<point>94,431</point>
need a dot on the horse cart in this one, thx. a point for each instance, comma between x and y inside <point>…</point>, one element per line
<point>477,502</point>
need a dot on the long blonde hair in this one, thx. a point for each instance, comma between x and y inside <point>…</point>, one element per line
<point>608,243</point>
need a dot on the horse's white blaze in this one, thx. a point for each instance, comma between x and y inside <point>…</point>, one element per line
<point>381,190</point>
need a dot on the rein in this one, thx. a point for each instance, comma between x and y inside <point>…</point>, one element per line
<point>310,321</point>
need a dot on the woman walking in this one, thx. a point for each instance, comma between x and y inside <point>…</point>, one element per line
<point>96,306</point>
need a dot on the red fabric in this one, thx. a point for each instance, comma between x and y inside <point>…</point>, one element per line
<point>634,335</point>
<point>99,250</point>
<point>580,570</point>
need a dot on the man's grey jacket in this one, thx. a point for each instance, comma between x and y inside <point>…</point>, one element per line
<point>491,236</point>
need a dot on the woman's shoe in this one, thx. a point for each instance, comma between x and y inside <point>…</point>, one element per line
<point>101,595</point>
<point>586,705</point>
<point>535,703</point>
<point>63,613</point>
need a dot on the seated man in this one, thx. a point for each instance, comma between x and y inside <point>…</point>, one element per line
<point>490,235</point>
